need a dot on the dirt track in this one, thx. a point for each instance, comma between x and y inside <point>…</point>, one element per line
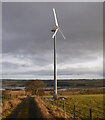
<point>27,110</point>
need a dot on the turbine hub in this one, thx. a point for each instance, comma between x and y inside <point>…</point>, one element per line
<point>53,30</point>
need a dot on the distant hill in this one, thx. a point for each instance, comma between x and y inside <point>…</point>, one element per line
<point>71,83</point>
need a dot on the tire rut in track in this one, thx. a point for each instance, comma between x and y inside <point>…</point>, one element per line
<point>28,105</point>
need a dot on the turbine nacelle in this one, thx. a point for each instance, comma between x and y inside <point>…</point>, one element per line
<point>57,26</point>
<point>53,30</point>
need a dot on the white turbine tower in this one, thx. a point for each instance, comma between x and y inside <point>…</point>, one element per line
<point>54,36</point>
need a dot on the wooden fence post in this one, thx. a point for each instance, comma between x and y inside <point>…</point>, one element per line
<point>57,104</point>
<point>90,114</point>
<point>64,108</point>
<point>53,103</point>
<point>74,112</point>
<point>63,105</point>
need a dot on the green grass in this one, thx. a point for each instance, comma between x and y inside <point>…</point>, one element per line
<point>82,105</point>
<point>0,100</point>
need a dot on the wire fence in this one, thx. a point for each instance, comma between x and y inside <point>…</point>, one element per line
<point>75,112</point>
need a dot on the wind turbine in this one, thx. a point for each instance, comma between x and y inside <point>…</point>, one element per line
<point>55,30</point>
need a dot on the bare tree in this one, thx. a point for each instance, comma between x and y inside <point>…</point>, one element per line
<point>34,86</point>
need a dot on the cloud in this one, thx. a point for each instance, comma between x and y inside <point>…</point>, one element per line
<point>19,66</point>
<point>28,46</point>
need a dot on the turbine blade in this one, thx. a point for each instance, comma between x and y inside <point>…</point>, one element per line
<point>62,34</point>
<point>55,33</point>
<point>55,17</point>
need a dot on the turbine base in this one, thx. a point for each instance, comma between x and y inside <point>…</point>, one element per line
<point>55,96</point>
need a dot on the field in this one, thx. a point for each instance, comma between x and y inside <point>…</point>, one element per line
<point>83,100</point>
<point>75,83</point>
<point>82,104</point>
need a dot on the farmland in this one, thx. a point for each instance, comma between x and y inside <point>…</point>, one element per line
<point>80,99</point>
<point>82,104</point>
<point>68,83</point>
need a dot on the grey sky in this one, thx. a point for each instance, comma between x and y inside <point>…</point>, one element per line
<point>52,0</point>
<point>27,45</point>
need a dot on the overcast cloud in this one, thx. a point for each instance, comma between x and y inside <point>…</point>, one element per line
<point>27,45</point>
